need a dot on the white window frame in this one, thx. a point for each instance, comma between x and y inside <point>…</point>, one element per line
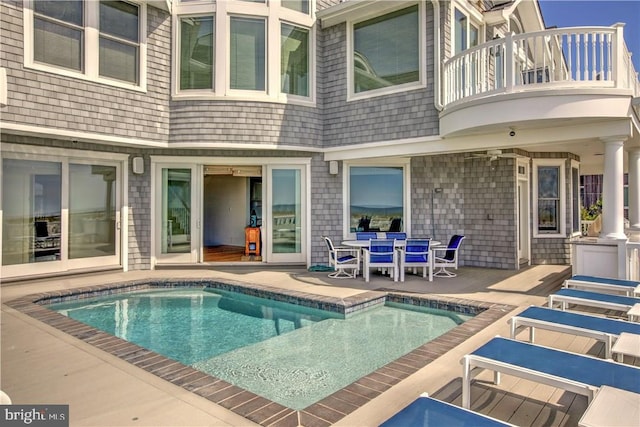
<point>562,210</point>
<point>91,47</point>
<point>473,18</point>
<point>404,163</point>
<point>405,87</point>
<point>177,52</point>
<point>274,14</point>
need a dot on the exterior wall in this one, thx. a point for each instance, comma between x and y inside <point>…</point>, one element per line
<point>44,99</point>
<point>326,208</point>
<point>491,213</point>
<point>245,123</point>
<point>404,115</point>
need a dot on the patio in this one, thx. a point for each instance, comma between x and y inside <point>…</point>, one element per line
<point>41,364</point>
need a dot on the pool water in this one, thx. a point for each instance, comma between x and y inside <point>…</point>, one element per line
<point>287,353</point>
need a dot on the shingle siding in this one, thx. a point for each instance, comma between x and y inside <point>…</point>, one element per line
<point>39,98</point>
<point>407,114</point>
<point>245,123</point>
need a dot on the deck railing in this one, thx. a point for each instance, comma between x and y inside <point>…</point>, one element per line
<point>594,57</point>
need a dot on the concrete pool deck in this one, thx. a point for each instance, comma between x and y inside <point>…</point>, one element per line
<point>43,365</point>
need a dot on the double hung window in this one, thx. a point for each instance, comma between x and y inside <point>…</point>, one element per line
<point>119,41</point>
<point>58,33</point>
<point>94,40</point>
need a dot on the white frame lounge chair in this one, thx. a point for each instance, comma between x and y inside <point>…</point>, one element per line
<point>598,328</point>
<point>567,296</point>
<point>572,372</point>
<point>415,254</point>
<point>427,411</point>
<point>343,260</point>
<point>381,253</point>
<point>603,284</point>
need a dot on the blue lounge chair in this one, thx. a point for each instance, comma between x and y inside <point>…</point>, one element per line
<point>568,371</point>
<point>427,411</point>
<point>566,296</point>
<point>598,328</point>
<point>603,284</point>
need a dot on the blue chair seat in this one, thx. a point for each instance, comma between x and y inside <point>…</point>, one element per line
<point>428,412</point>
<point>596,327</point>
<point>570,371</point>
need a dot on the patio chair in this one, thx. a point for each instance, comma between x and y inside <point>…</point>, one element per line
<point>381,253</point>
<point>398,235</point>
<point>450,257</point>
<point>366,235</point>
<point>345,261</point>
<point>566,296</point>
<point>596,327</point>
<point>427,411</point>
<point>568,371</point>
<point>603,284</point>
<point>415,254</point>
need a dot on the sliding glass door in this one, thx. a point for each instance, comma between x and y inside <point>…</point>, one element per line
<point>58,214</point>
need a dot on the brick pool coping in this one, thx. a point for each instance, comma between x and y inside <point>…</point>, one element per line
<point>245,403</point>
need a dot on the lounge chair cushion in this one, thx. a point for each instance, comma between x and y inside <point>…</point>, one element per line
<point>426,411</point>
<point>562,364</point>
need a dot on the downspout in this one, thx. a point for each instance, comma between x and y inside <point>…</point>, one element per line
<point>437,84</point>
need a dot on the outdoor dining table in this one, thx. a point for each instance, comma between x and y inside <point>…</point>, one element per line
<point>398,244</point>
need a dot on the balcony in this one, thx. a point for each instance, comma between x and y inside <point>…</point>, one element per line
<point>528,75</point>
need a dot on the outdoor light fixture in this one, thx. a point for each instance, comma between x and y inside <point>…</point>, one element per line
<point>333,167</point>
<point>137,165</point>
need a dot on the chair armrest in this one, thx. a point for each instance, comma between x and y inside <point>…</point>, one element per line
<point>441,248</point>
<point>347,249</point>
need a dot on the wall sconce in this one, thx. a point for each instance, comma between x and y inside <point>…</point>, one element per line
<point>333,167</point>
<point>137,165</point>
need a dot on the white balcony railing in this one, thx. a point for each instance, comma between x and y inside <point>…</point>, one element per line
<point>594,57</point>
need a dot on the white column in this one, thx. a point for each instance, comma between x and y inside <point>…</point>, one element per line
<point>634,188</point>
<point>613,190</point>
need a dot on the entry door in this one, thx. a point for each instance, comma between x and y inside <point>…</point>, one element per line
<point>285,214</point>
<point>177,233</point>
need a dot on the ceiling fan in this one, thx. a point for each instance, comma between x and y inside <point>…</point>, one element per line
<point>492,155</point>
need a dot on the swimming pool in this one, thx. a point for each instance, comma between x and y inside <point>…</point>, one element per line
<point>254,408</point>
<point>288,353</point>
